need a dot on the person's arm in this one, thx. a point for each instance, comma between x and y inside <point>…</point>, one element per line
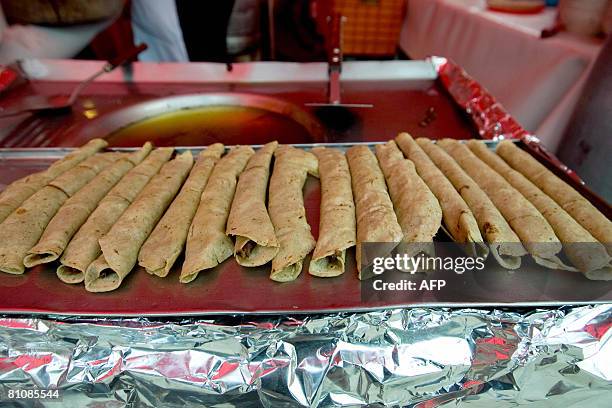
<point>31,41</point>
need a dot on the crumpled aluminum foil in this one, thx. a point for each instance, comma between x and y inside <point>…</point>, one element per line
<point>491,119</point>
<point>404,357</point>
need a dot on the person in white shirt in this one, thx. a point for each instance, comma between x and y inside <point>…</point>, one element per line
<point>182,30</point>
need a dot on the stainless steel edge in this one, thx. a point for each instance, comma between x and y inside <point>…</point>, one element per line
<point>52,152</point>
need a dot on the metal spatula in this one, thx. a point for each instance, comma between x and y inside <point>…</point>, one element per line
<point>63,103</point>
<point>334,68</point>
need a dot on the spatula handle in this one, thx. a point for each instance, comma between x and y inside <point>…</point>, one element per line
<point>125,57</point>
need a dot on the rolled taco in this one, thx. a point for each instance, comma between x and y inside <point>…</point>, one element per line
<point>534,231</point>
<point>21,230</point>
<point>287,212</point>
<point>120,246</point>
<point>458,219</point>
<point>418,211</point>
<point>20,190</point>
<point>77,208</point>
<point>503,241</point>
<point>84,248</point>
<point>337,224</point>
<point>167,240</point>
<point>207,244</point>
<point>583,250</point>
<point>569,199</point>
<point>376,219</point>
<point>248,221</point>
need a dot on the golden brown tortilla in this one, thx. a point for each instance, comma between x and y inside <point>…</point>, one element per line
<point>569,199</point>
<point>457,216</point>
<point>21,230</point>
<point>582,249</point>
<point>77,208</point>
<point>207,244</point>
<point>418,211</point>
<point>535,233</point>
<point>505,244</point>
<point>167,240</point>
<point>248,221</point>
<point>84,248</point>
<point>337,224</point>
<point>120,246</point>
<point>287,212</point>
<point>376,220</point>
<point>20,190</point>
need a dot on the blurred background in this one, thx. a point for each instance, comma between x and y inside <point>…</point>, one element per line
<point>547,62</point>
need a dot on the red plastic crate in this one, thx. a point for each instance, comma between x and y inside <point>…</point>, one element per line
<point>372,27</point>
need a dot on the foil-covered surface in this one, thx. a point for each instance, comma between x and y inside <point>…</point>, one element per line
<point>491,119</point>
<point>402,357</point>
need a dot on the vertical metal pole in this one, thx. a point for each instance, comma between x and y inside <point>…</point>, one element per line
<point>271,29</point>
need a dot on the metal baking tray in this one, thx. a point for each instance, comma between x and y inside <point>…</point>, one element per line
<point>231,289</point>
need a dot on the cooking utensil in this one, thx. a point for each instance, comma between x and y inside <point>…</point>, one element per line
<point>62,103</point>
<point>334,68</point>
<point>274,115</point>
<point>335,114</point>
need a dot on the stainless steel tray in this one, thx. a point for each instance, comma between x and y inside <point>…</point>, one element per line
<point>231,289</point>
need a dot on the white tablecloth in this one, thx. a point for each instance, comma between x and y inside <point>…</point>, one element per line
<point>537,80</point>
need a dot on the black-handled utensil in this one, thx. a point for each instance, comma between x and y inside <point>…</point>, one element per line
<point>60,103</point>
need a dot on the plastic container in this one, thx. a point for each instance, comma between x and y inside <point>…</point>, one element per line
<point>517,6</point>
<point>372,27</point>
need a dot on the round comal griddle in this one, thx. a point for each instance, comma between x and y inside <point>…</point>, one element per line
<point>202,119</point>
